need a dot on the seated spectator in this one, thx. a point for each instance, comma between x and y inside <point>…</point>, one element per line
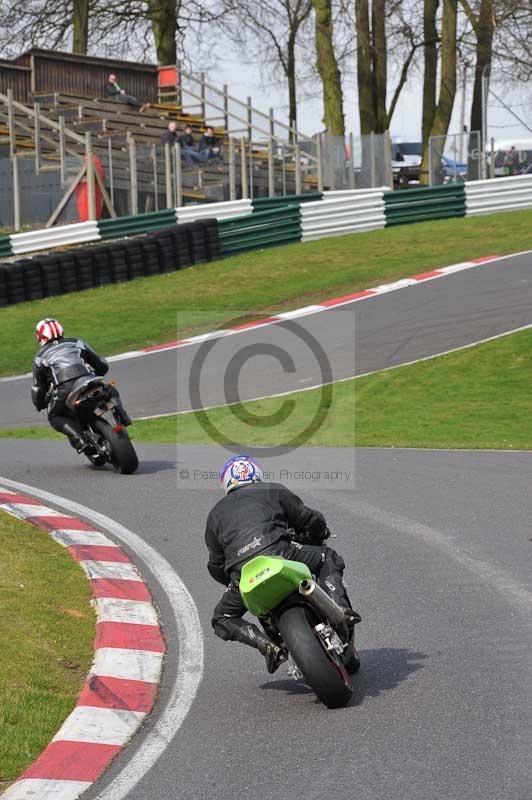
<point>188,155</point>
<point>113,90</point>
<point>209,148</point>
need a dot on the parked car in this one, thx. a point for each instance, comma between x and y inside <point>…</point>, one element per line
<point>406,162</point>
<point>453,170</point>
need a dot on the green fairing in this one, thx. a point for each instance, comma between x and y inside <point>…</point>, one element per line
<point>266,581</point>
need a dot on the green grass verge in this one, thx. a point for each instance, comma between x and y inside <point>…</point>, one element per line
<point>47,632</point>
<point>162,308</point>
<point>475,398</point>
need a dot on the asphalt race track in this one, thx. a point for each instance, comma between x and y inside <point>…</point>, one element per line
<point>438,546</point>
<point>379,332</point>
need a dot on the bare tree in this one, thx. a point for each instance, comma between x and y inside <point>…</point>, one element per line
<point>273,28</point>
<point>437,112</point>
<point>124,28</point>
<point>329,72</point>
<point>80,26</point>
<point>376,24</point>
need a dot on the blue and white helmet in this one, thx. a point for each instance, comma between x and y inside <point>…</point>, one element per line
<point>240,470</point>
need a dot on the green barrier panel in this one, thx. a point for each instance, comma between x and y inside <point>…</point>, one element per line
<point>420,216</point>
<point>399,196</point>
<point>262,203</point>
<point>413,208</point>
<point>242,237</point>
<point>418,205</point>
<point>262,229</point>
<point>139,223</point>
<point>252,220</point>
<point>259,242</point>
<point>5,246</point>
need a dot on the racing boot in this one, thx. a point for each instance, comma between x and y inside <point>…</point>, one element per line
<point>75,438</point>
<point>274,655</point>
<point>120,413</point>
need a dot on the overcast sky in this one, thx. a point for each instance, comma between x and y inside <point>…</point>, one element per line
<point>245,79</point>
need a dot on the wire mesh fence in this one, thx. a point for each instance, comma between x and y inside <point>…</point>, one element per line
<point>455,158</point>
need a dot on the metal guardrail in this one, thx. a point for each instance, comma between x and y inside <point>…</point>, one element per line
<point>501,194</point>
<point>5,246</point>
<point>139,223</point>
<point>54,237</point>
<point>343,213</point>
<point>418,205</point>
<point>265,203</point>
<point>261,229</point>
<point>224,210</point>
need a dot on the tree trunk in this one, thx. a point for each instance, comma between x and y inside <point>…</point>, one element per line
<point>366,108</point>
<point>444,109</point>
<point>327,67</point>
<point>379,64</point>
<point>291,78</point>
<point>430,50</point>
<point>484,30</point>
<point>80,24</point>
<point>163,19</point>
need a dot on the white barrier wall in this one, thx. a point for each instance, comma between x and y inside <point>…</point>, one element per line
<point>226,210</point>
<point>343,212</point>
<point>500,194</point>
<point>49,238</point>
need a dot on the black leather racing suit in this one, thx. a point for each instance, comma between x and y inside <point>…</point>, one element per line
<point>58,368</point>
<point>256,518</point>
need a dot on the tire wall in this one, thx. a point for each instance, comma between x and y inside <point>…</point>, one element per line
<point>164,250</point>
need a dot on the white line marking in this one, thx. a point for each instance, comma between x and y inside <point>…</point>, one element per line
<point>25,510</point>
<point>99,725</point>
<point>111,570</point>
<point>349,378</point>
<point>68,538</point>
<point>495,577</point>
<point>111,609</point>
<point>133,665</point>
<point>404,283</point>
<point>181,694</point>
<point>44,789</point>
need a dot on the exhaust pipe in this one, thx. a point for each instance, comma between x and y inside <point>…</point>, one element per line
<point>324,605</point>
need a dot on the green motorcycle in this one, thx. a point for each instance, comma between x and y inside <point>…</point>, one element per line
<point>297,614</point>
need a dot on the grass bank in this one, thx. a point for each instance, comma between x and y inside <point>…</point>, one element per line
<point>47,632</point>
<point>475,398</point>
<point>157,309</point>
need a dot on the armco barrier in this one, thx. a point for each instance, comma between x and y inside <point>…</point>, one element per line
<point>225,210</point>
<point>348,212</point>
<point>268,203</point>
<point>159,251</point>
<point>5,246</point>
<point>54,237</point>
<point>140,223</point>
<point>501,194</point>
<point>417,205</point>
<point>261,229</point>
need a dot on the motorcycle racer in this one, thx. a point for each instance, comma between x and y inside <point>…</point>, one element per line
<point>254,517</point>
<point>60,365</point>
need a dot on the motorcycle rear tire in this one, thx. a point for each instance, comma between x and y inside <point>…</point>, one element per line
<point>123,455</point>
<point>323,672</point>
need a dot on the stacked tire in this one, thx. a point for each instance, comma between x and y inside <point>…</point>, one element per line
<point>165,250</point>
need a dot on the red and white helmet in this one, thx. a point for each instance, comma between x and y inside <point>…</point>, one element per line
<point>48,329</point>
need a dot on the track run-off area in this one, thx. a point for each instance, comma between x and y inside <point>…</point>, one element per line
<point>437,545</point>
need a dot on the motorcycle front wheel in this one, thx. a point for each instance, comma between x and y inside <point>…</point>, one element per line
<point>322,670</point>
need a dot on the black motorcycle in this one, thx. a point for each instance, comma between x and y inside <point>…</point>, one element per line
<point>106,442</point>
